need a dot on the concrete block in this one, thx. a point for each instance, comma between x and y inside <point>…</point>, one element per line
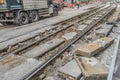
<point>69,36</point>
<point>93,48</point>
<point>71,69</point>
<point>92,69</point>
<point>41,49</point>
<point>82,27</point>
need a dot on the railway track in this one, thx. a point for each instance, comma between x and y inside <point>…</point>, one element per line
<point>61,51</point>
<point>57,48</point>
<point>19,46</point>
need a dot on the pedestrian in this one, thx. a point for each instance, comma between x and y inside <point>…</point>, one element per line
<point>78,4</point>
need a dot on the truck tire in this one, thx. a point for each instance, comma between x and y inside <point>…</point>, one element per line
<point>34,16</point>
<point>22,19</point>
<point>55,12</point>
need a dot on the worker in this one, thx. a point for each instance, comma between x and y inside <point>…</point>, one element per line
<point>78,4</point>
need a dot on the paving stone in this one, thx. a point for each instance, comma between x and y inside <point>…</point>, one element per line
<point>82,27</point>
<point>93,48</point>
<point>92,69</point>
<point>69,36</point>
<point>16,67</point>
<point>71,69</point>
<point>41,49</point>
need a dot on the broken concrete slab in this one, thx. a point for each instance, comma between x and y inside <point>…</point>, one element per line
<point>16,67</point>
<point>69,36</point>
<point>70,70</point>
<point>41,49</point>
<point>104,30</point>
<point>93,48</point>
<point>107,26</point>
<point>92,69</point>
<point>82,27</point>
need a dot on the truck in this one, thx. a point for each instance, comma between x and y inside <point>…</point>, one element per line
<point>21,12</point>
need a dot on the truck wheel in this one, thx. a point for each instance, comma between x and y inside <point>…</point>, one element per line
<point>22,19</point>
<point>34,16</point>
<point>55,12</point>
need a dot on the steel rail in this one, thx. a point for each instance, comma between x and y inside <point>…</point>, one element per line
<point>43,38</point>
<point>113,64</point>
<point>41,67</point>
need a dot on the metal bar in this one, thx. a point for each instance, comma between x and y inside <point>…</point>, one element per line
<point>111,72</point>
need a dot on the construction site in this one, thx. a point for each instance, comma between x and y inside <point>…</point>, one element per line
<point>59,39</point>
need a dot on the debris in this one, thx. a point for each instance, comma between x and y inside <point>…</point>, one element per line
<point>42,76</point>
<point>82,27</point>
<point>93,48</point>
<point>70,70</point>
<point>92,69</point>
<point>37,38</point>
<point>69,36</point>
<point>88,22</point>
<point>95,18</point>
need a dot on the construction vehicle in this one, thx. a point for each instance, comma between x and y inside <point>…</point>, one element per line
<point>22,12</point>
